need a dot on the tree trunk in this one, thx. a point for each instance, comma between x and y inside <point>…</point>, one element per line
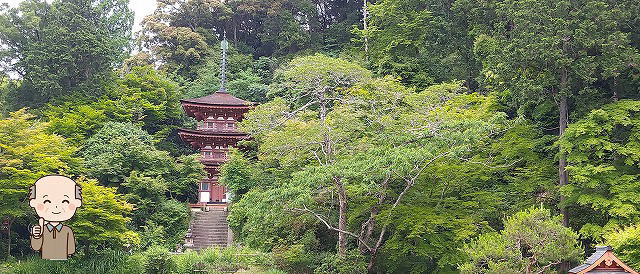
<point>615,90</point>
<point>342,218</point>
<point>372,261</point>
<point>86,248</point>
<point>367,229</point>
<point>9,239</point>
<point>564,179</point>
<point>563,121</point>
<point>365,13</point>
<point>327,149</point>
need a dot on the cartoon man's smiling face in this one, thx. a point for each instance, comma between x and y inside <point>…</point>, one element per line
<point>55,198</point>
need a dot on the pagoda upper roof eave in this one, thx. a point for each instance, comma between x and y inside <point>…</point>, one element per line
<point>200,104</point>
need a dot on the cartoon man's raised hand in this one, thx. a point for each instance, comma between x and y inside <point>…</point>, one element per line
<point>36,231</point>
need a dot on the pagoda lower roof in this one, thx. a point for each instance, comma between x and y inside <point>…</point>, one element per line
<point>200,138</point>
<point>208,133</point>
<point>212,162</point>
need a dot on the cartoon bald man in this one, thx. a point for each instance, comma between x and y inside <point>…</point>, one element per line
<point>55,199</point>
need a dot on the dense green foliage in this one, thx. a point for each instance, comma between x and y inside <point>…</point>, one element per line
<point>532,241</point>
<point>29,152</point>
<point>122,155</point>
<point>154,260</point>
<point>392,136</point>
<point>65,48</point>
<point>626,244</point>
<point>602,152</point>
<point>393,149</point>
<point>142,96</point>
<point>103,219</point>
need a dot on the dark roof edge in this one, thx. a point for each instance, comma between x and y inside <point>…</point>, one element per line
<point>222,105</point>
<point>211,133</point>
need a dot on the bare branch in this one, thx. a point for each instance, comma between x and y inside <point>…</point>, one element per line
<point>542,270</point>
<point>410,183</point>
<point>490,166</point>
<point>329,226</point>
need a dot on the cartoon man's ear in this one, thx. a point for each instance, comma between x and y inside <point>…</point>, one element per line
<point>32,203</point>
<point>78,202</point>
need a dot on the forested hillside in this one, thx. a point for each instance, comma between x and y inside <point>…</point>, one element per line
<point>391,136</point>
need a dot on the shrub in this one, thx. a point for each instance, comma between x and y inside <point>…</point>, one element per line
<point>293,258</point>
<point>352,263</point>
<point>626,244</point>
<point>158,260</point>
<point>215,260</point>
<point>107,261</point>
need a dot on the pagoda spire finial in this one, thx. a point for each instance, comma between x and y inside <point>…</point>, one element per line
<point>224,45</point>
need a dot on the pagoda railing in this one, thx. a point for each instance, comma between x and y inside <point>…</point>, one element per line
<point>216,157</point>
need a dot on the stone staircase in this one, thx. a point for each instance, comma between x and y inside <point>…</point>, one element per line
<point>209,229</point>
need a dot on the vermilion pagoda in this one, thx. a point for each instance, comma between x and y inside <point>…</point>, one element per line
<point>217,115</point>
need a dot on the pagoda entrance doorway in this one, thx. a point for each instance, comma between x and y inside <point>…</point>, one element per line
<point>217,193</point>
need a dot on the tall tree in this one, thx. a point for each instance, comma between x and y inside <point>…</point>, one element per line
<point>104,218</point>
<point>532,241</point>
<point>425,42</point>
<point>602,151</point>
<point>66,48</point>
<point>314,83</point>
<point>27,152</point>
<point>177,37</point>
<point>181,33</point>
<point>122,155</point>
<point>559,50</point>
<point>142,96</point>
<point>374,154</point>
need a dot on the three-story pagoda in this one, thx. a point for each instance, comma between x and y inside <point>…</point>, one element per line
<point>217,115</point>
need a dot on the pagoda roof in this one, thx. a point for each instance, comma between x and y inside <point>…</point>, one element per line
<point>219,98</point>
<point>201,138</point>
<point>603,261</point>
<point>213,133</point>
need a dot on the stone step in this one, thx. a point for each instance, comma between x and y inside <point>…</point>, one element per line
<point>218,224</point>
<point>197,233</point>
<point>211,212</point>
<point>209,232</point>
<point>209,226</point>
<point>213,243</point>
<point>215,225</point>
<point>194,228</point>
<point>204,217</point>
<point>201,225</point>
<point>221,221</point>
<point>210,243</point>
<point>209,237</point>
<point>197,248</point>
<point>209,229</point>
